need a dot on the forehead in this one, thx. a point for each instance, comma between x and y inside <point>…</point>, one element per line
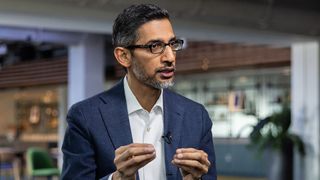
<point>155,30</point>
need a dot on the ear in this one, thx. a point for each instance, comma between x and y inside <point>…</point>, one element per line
<point>123,56</point>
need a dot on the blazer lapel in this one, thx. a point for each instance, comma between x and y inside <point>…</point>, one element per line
<point>115,116</point>
<point>173,117</point>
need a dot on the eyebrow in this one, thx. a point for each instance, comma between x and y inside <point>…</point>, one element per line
<point>159,40</point>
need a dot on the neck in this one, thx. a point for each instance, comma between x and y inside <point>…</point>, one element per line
<point>147,96</point>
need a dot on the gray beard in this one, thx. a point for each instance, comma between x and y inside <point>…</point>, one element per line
<point>141,75</point>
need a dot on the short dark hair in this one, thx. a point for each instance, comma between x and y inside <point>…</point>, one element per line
<point>130,19</point>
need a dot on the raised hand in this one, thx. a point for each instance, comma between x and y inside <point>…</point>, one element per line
<point>193,163</point>
<point>129,159</point>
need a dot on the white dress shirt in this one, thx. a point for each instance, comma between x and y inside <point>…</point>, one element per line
<point>147,127</point>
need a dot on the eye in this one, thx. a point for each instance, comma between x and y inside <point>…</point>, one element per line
<point>156,45</point>
<point>173,43</point>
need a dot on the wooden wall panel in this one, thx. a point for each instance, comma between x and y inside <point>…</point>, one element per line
<point>211,56</point>
<point>35,73</point>
<point>198,57</point>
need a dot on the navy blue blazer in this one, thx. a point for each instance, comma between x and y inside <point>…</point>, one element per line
<point>99,125</point>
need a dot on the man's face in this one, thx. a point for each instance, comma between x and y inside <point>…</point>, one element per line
<point>154,70</point>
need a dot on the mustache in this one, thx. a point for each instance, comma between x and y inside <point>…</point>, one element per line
<point>166,68</point>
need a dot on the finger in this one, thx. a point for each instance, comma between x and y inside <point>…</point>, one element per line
<point>135,163</point>
<point>200,156</point>
<point>191,164</point>
<point>136,151</point>
<point>203,158</point>
<point>185,169</point>
<point>140,145</point>
<point>141,160</point>
<point>133,151</point>
<point>189,170</point>
<point>122,149</point>
<point>186,150</point>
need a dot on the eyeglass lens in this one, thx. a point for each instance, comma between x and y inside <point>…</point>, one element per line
<point>158,47</point>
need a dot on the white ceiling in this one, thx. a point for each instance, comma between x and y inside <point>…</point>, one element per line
<point>222,20</point>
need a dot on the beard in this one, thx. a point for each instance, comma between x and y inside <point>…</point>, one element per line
<point>151,81</point>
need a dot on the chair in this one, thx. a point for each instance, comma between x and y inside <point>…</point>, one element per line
<point>40,164</point>
<point>9,165</point>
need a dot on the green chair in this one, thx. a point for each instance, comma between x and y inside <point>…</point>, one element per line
<point>40,164</point>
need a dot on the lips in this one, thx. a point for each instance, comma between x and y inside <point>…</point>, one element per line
<point>166,72</point>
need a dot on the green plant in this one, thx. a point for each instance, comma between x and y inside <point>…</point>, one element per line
<point>273,132</point>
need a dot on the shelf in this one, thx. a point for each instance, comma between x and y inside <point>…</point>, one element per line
<point>39,137</point>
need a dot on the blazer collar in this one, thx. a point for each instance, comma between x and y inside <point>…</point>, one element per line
<point>115,115</point>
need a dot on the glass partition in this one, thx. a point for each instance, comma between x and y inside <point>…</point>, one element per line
<point>236,100</point>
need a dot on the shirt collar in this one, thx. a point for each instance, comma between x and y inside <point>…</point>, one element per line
<point>133,104</point>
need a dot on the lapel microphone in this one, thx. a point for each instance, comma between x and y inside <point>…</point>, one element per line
<point>167,138</point>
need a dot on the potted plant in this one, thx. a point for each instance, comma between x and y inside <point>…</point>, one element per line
<point>273,133</point>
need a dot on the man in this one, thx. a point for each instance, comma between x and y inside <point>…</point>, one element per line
<point>139,129</point>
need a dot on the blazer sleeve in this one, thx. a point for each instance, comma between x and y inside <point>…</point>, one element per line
<point>206,145</point>
<point>78,152</point>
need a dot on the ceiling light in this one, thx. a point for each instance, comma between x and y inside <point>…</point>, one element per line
<point>3,49</point>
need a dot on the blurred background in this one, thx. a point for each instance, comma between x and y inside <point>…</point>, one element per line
<point>254,64</point>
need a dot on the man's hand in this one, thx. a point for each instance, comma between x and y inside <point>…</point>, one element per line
<point>128,159</point>
<point>193,163</point>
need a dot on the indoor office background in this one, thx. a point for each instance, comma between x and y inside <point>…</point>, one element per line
<point>244,61</point>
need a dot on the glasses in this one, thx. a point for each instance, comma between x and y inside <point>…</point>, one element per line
<point>158,47</point>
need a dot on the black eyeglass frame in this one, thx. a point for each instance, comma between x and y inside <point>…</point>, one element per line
<point>149,46</point>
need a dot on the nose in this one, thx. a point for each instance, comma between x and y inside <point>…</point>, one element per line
<point>168,55</point>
